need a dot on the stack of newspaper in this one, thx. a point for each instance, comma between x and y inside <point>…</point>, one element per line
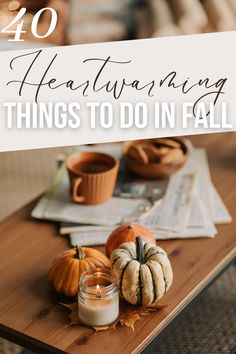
<point>186,206</point>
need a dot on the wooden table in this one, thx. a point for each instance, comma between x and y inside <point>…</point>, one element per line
<point>29,317</point>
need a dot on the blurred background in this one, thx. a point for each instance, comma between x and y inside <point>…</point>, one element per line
<point>91,21</point>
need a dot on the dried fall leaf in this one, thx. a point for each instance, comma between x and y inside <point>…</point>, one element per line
<point>99,329</point>
<point>145,313</point>
<point>73,316</point>
<point>158,306</point>
<point>69,306</point>
<point>113,326</point>
<point>127,317</point>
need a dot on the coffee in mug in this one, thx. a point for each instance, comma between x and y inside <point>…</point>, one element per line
<point>92,177</point>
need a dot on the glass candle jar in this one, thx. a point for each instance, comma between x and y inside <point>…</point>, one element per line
<point>98,298</point>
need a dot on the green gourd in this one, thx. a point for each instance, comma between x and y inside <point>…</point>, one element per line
<point>143,272</point>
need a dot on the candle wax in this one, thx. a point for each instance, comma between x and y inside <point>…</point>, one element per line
<point>99,311</point>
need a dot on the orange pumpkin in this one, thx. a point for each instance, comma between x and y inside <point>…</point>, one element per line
<point>127,233</point>
<point>68,266</point>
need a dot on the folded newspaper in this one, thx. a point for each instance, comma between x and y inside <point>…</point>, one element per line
<point>188,206</point>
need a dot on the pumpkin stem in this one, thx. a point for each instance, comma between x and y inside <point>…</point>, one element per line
<point>139,250</point>
<point>79,252</point>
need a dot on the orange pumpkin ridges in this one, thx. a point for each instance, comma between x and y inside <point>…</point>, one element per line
<point>68,266</point>
<point>127,233</point>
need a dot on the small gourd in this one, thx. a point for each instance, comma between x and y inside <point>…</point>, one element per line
<point>126,233</point>
<point>143,272</point>
<point>68,266</point>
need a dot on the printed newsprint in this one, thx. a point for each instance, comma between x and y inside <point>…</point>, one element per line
<point>189,207</point>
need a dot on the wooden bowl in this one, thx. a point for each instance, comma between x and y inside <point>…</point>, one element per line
<point>154,170</point>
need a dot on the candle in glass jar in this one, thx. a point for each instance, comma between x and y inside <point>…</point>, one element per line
<point>98,298</point>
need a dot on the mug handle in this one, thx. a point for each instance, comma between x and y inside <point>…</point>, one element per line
<point>75,185</point>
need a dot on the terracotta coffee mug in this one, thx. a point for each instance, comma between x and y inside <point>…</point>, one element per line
<point>92,177</point>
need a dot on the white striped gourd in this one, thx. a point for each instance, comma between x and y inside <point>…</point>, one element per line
<point>143,272</point>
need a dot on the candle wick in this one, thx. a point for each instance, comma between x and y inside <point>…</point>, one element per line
<point>98,292</point>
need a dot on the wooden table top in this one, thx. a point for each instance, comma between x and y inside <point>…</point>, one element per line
<point>28,315</point>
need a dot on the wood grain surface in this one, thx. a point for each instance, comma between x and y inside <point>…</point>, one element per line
<point>29,313</point>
